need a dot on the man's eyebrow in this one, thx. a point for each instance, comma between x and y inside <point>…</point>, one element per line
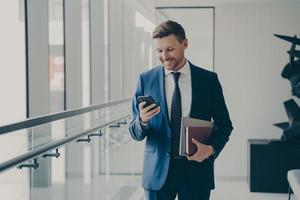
<point>164,48</point>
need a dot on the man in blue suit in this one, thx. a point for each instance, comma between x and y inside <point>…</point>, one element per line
<point>180,89</point>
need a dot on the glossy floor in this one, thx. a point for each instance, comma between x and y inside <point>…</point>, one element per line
<point>128,188</point>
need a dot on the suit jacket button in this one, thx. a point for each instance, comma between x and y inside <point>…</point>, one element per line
<point>168,154</point>
<point>169,135</point>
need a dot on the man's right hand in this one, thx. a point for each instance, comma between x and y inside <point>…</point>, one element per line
<point>146,113</point>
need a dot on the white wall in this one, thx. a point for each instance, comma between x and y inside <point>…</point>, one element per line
<point>200,39</point>
<point>249,61</point>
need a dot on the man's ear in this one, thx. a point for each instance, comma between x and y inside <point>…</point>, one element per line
<point>185,43</point>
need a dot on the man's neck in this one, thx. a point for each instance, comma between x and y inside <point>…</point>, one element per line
<point>181,65</point>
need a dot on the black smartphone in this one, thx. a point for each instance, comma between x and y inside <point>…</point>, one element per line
<point>148,99</point>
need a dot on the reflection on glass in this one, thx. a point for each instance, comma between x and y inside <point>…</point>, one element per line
<point>85,41</point>
<point>56,55</point>
<point>106,48</point>
<point>87,161</point>
<point>57,84</point>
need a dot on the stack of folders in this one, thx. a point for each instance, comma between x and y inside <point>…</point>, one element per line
<point>193,128</point>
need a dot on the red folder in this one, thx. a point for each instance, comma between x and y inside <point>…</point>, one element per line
<point>202,134</point>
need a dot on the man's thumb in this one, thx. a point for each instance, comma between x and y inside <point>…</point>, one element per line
<point>196,142</point>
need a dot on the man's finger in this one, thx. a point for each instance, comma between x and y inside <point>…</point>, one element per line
<point>190,157</point>
<point>151,112</point>
<point>195,157</point>
<point>141,105</point>
<point>154,111</point>
<point>149,107</point>
<point>196,142</point>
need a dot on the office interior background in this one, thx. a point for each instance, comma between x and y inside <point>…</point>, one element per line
<point>62,55</point>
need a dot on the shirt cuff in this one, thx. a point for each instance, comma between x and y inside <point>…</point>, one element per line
<point>214,154</point>
<point>144,126</point>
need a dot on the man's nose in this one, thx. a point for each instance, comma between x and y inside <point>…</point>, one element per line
<point>165,56</point>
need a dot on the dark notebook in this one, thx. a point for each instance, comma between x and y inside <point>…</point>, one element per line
<point>202,134</point>
<point>190,122</point>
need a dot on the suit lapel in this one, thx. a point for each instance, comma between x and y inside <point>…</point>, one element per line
<point>194,81</point>
<point>160,80</point>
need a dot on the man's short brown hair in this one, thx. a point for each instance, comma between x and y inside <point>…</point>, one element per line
<point>167,28</point>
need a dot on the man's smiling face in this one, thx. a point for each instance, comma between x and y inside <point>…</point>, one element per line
<point>171,52</point>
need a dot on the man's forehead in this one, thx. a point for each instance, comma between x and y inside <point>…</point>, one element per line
<point>162,46</point>
<point>165,43</point>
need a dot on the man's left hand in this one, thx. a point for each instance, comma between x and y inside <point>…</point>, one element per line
<point>203,151</point>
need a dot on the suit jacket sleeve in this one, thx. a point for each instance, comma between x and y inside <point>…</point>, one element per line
<point>137,131</point>
<point>223,126</point>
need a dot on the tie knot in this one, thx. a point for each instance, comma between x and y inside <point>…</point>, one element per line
<point>176,76</point>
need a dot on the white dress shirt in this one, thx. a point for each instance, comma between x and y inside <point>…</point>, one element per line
<point>185,85</point>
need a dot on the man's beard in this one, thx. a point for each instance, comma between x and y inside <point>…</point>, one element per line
<point>170,63</point>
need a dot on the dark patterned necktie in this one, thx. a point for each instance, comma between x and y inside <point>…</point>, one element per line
<point>176,114</point>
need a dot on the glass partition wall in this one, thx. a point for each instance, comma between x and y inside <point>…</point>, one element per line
<point>109,177</point>
<point>14,184</point>
<point>69,54</point>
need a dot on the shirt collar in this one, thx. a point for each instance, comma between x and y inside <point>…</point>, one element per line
<point>184,70</point>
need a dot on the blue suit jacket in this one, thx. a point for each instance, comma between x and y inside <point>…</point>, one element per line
<point>207,103</point>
